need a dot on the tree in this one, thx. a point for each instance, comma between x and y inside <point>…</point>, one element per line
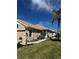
<point>57,17</point>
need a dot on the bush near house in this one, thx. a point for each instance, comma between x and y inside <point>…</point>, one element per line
<point>44,50</point>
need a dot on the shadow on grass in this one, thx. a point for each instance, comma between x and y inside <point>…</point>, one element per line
<point>19,45</point>
<point>55,39</point>
<point>29,44</point>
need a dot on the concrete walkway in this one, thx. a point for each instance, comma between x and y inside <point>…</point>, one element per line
<point>35,42</point>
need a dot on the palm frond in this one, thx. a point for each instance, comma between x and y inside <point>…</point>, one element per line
<point>54,17</point>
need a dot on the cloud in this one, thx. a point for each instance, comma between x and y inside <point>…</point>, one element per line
<point>42,5</point>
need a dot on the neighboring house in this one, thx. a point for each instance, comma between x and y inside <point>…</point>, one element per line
<point>46,32</point>
<point>29,32</point>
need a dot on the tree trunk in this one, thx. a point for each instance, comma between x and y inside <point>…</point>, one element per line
<point>58,34</point>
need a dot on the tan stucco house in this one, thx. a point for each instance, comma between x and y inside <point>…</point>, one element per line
<point>30,32</point>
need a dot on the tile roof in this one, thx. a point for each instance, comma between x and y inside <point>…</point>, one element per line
<point>37,26</point>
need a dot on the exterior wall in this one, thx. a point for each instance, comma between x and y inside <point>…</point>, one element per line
<point>20,27</point>
<point>50,34</point>
<point>23,36</point>
<point>35,35</point>
<point>54,34</point>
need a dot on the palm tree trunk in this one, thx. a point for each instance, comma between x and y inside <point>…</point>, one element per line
<point>58,35</point>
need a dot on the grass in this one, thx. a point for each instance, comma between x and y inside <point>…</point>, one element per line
<point>44,50</point>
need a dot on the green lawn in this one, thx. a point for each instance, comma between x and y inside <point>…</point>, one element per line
<point>44,50</point>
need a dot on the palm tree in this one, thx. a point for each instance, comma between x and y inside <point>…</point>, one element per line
<point>57,17</point>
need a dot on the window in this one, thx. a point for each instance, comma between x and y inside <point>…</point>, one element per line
<point>27,34</point>
<point>20,39</point>
<point>17,25</point>
<point>30,33</point>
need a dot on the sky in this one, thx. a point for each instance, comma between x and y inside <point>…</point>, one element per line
<point>38,11</point>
